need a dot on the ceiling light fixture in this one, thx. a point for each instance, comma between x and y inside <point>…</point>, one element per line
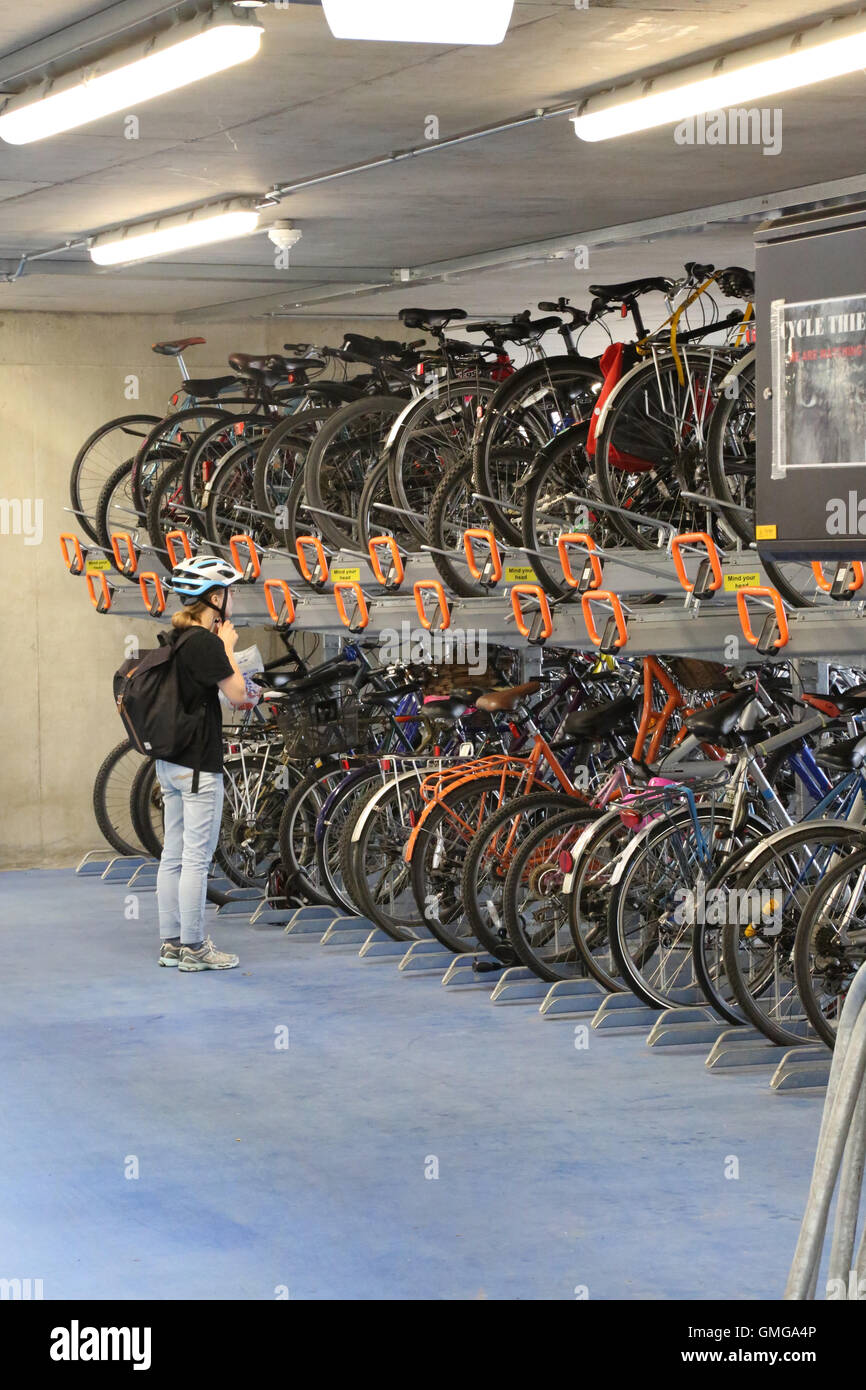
<point>121,81</point>
<point>177,232</point>
<point>420,21</point>
<point>829,50</point>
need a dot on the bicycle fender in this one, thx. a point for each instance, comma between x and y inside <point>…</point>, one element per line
<point>605,409</point>
<point>374,801</point>
<point>431,390</point>
<point>595,827</point>
<point>781,836</point>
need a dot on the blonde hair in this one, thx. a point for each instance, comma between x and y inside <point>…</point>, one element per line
<point>192,613</point>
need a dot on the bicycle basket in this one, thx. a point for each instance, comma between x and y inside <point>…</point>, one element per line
<point>306,737</point>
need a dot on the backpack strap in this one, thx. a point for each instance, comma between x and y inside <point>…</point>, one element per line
<point>176,639</point>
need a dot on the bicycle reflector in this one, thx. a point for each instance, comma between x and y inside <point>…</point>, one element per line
<point>178,535</point>
<point>540,625</point>
<point>281,617</point>
<point>709,576</point>
<point>591,574</point>
<point>388,568</point>
<point>441,610</point>
<point>845,582</point>
<point>356,617</point>
<point>317,573</point>
<point>774,630</point>
<point>156,605</point>
<point>615,633</point>
<point>253,568</point>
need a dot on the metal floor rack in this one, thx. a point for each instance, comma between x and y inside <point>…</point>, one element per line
<point>582,1002</point>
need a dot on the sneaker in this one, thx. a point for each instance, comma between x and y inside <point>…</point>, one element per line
<point>169,954</point>
<point>206,958</point>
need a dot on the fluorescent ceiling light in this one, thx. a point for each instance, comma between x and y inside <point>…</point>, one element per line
<point>829,50</point>
<point>174,233</point>
<point>185,53</point>
<point>420,21</point>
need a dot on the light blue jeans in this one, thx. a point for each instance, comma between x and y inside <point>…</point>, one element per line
<point>192,824</point>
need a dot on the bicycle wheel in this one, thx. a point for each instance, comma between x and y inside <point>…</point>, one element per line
<point>653,445</point>
<point>167,443</point>
<point>208,449</point>
<point>560,474</point>
<point>282,455</point>
<point>297,830</point>
<point>248,847</point>
<point>230,508</point>
<point>435,436</point>
<point>111,792</point>
<point>116,510</point>
<point>167,511</point>
<point>347,446</point>
<point>587,885</point>
<point>99,456</point>
<point>772,890</point>
<point>439,852</point>
<point>336,814</point>
<point>525,413</point>
<point>145,808</point>
<point>453,510</point>
<point>376,512</point>
<point>830,945</point>
<point>534,906</point>
<point>374,870</point>
<point>487,863</point>
<point>654,893</point>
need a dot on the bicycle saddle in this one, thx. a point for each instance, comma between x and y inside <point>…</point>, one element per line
<point>626,288</point>
<point>845,756</point>
<point>383,698</point>
<point>269,369</point>
<point>507,699</point>
<point>202,386</point>
<point>178,345</point>
<point>601,719</point>
<point>362,349</point>
<point>449,707</point>
<point>853,700</point>
<point>428,320</point>
<point>720,721</point>
<point>330,674</point>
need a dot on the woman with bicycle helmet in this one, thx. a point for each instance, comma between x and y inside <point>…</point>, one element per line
<point>192,778</point>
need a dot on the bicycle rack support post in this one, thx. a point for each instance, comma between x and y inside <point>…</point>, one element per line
<point>607,643</point>
<point>774,632</point>
<point>358,617</point>
<point>442,612</point>
<point>75,563</point>
<point>178,535</point>
<point>317,575</point>
<point>253,567</point>
<point>489,574</point>
<point>392,576</point>
<point>156,605</point>
<point>284,617</point>
<point>130,564</point>
<point>102,600</point>
<point>592,574</point>
<point>540,627</point>
<point>708,579</point>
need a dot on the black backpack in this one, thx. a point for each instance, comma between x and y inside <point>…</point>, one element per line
<point>148,699</point>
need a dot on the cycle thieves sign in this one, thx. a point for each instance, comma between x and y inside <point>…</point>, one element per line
<point>811,373</point>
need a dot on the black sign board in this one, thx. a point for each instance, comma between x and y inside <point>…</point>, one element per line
<point>811,378</point>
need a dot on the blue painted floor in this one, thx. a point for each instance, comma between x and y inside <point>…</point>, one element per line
<point>305,1168</point>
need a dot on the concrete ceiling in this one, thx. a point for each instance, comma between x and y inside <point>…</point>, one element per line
<point>310,104</point>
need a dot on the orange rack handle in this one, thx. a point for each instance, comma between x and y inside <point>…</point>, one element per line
<point>762,591</point>
<point>130,564</point>
<point>394,578</point>
<point>75,565</point>
<point>827,584</point>
<point>479,533</point>
<point>589,545</point>
<point>604,596</point>
<point>432,586</point>
<point>155,605</point>
<point>531,591</point>
<point>253,568</point>
<point>696,538</point>
<point>355,623</point>
<point>279,586</point>
<point>178,535</point>
<point>302,544</point>
<point>102,600</point>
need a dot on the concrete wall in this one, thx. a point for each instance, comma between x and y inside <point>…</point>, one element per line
<point>62,375</point>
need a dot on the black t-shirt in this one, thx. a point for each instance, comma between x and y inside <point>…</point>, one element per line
<point>202,662</point>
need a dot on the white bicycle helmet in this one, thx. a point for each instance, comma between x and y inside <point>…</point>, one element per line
<point>192,579</point>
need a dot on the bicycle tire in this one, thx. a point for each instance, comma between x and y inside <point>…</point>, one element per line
<point>116,501</point>
<point>813,937</point>
<point>126,843</point>
<point>336,467</point>
<point>306,800</point>
<point>130,427</point>
<point>545,881</point>
<point>159,450</point>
